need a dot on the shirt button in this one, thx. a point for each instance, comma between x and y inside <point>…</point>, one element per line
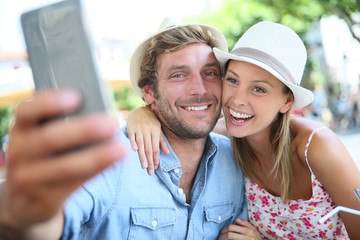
<point>219,218</point>
<point>154,223</point>
<point>180,191</point>
<point>176,170</point>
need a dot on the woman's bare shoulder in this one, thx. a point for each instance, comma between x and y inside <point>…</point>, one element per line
<point>301,128</point>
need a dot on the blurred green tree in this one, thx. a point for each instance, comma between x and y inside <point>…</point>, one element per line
<point>126,99</point>
<point>348,10</point>
<point>234,17</point>
<point>5,119</point>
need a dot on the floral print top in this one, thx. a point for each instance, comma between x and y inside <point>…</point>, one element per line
<point>297,219</point>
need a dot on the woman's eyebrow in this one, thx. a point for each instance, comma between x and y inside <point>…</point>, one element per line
<point>234,73</point>
<point>263,81</point>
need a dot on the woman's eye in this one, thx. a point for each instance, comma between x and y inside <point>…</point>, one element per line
<point>231,80</point>
<point>259,90</point>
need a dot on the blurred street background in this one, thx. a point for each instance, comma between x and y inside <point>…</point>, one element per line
<point>329,28</point>
<point>351,140</point>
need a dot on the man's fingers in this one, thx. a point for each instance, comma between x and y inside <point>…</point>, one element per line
<point>41,187</point>
<point>58,136</point>
<point>45,105</point>
<point>70,169</point>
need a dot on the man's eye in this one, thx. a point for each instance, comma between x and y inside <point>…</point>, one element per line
<point>178,75</point>
<point>209,73</point>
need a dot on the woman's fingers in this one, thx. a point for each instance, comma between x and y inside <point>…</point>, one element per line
<point>163,145</point>
<point>147,142</point>
<point>241,230</point>
<point>148,151</point>
<point>132,138</point>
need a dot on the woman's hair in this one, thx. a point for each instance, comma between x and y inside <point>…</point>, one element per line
<point>170,41</point>
<point>280,139</point>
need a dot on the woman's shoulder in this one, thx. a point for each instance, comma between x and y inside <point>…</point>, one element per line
<point>310,135</point>
<point>302,128</point>
<point>314,139</point>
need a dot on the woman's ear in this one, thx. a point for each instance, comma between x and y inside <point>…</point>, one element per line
<point>148,94</point>
<point>289,102</point>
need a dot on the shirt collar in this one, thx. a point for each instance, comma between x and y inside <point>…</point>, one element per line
<point>171,161</point>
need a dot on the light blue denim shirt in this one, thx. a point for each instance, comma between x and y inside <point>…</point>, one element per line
<point>124,202</point>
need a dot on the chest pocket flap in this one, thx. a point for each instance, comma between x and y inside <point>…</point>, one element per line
<point>219,213</point>
<point>153,217</point>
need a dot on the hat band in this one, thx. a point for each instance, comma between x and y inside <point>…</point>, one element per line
<point>266,59</point>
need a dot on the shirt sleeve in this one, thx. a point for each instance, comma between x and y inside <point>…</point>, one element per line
<point>77,210</point>
<point>243,211</point>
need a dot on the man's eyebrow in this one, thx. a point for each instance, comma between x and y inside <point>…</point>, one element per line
<point>213,64</point>
<point>183,66</point>
<point>177,67</point>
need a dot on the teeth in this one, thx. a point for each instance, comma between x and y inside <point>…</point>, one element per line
<point>239,115</point>
<point>197,108</point>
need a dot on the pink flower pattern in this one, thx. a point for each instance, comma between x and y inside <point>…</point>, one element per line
<point>297,219</point>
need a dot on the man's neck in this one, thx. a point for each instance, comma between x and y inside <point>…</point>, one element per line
<point>189,153</point>
<point>188,150</point>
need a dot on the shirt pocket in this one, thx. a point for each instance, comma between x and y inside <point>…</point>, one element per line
<point>216,218</point>
<point>151,222</point>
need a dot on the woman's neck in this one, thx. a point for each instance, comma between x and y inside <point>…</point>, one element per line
<point>261,145</point>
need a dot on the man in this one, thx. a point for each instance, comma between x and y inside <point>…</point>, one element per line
<point>195,192</point>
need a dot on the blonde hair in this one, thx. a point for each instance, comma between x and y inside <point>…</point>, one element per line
<point>280,139</point>
<point>170,41</point>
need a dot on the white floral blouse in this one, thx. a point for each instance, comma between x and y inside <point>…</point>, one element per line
<point>297,219</point>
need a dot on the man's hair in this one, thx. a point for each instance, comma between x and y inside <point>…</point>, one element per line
<point>170,41</point>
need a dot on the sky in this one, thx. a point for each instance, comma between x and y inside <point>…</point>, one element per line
<point>124,19</point>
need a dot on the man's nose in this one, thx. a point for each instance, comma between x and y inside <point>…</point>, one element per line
<point>197,85</point>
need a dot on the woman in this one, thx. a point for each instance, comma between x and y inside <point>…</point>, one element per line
<point>297,170</point>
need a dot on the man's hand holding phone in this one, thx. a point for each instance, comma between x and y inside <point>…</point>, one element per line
<point>41,173</point>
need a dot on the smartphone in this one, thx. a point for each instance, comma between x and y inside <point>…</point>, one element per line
<point>61,54</point>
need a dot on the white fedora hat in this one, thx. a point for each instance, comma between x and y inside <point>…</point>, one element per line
<point>277,49</point>
<point>167,24</point>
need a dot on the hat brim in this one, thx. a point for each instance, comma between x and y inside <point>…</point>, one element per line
<point>302,96</point>
<point>143,46</point>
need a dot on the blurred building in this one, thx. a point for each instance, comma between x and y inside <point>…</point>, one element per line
<point>342,53</point>
<point>342,56</point>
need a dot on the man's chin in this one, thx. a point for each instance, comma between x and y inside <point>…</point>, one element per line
<point>195,131</point>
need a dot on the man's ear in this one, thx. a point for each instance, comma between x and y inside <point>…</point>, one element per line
<point>148,94</point>
<point>289,102</point>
